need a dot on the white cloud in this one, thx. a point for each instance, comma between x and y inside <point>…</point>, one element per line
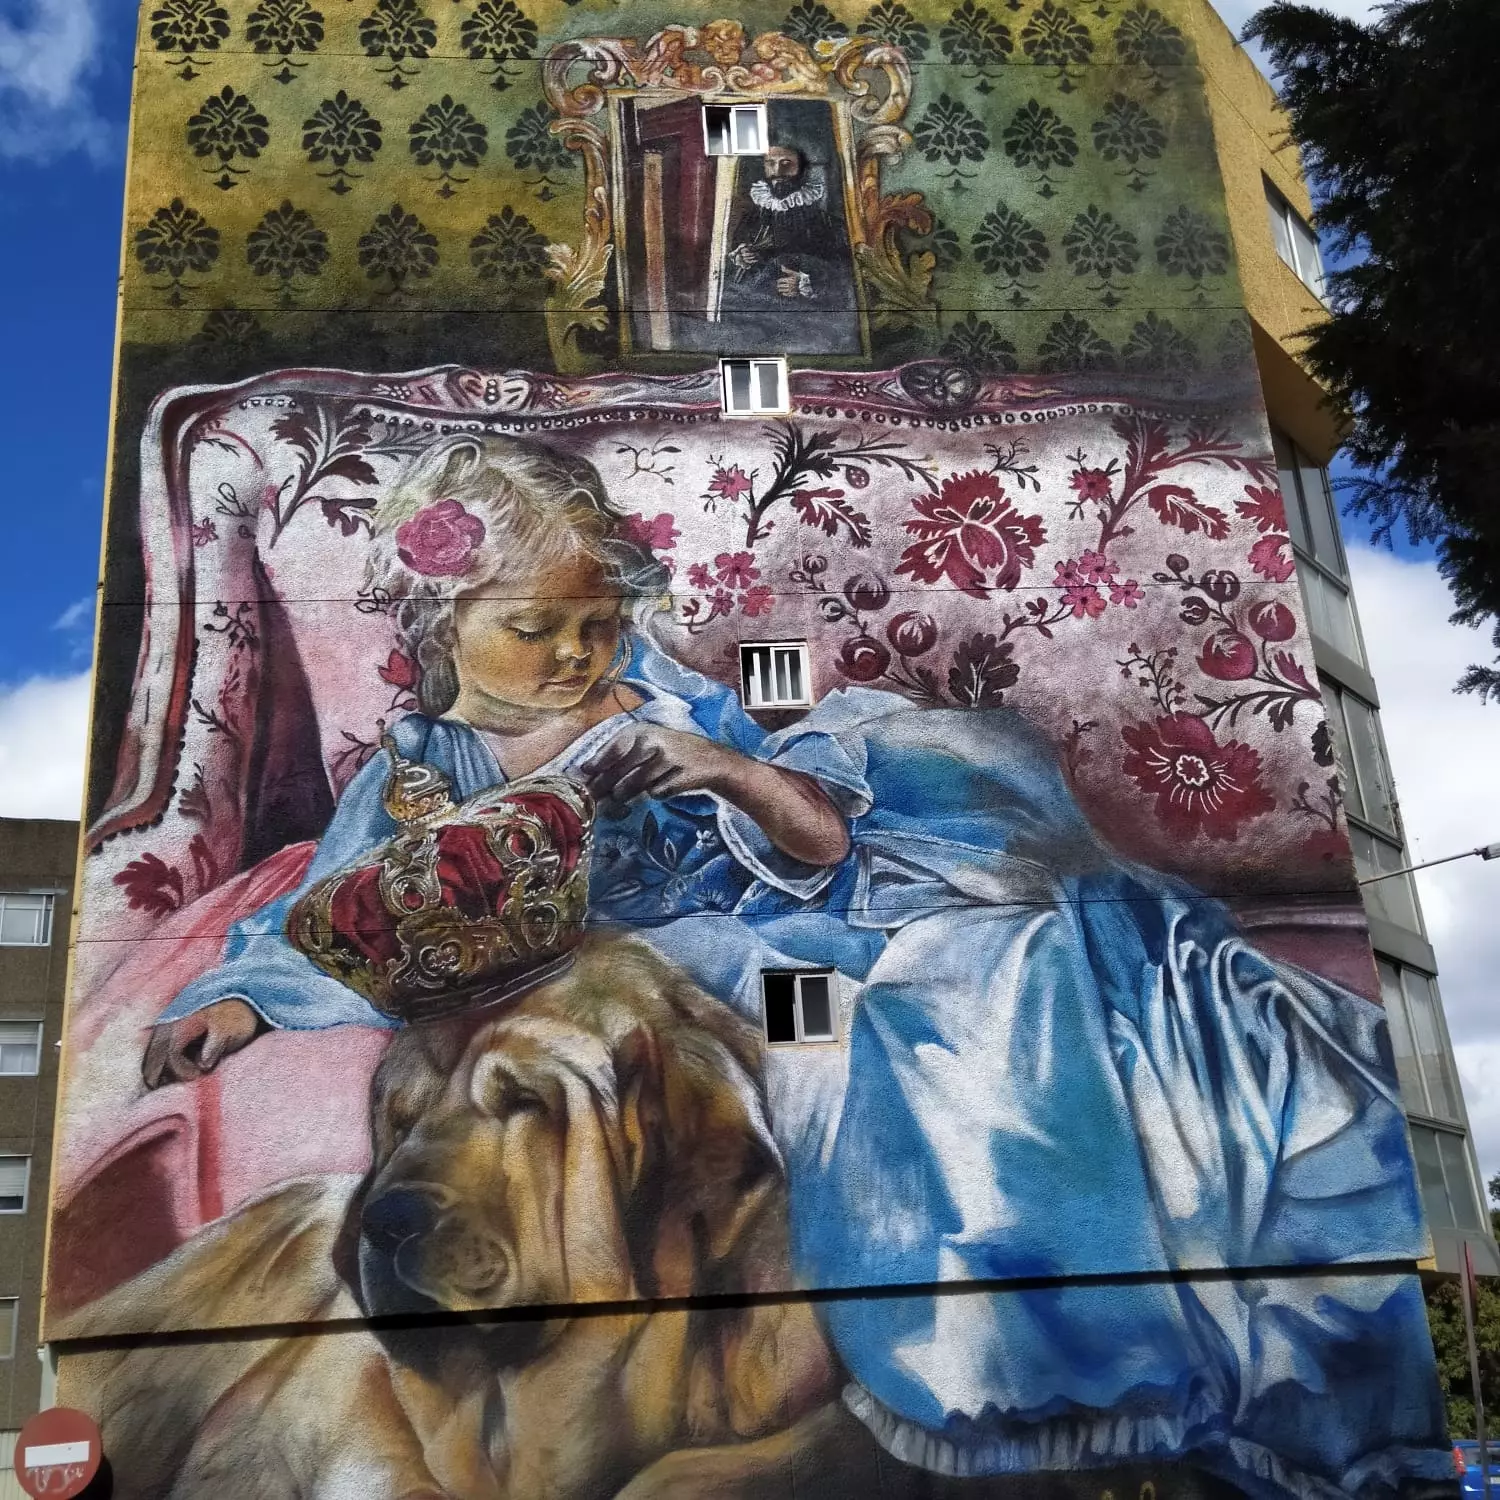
<point>79,613</point>
<point>47,58</point>
<point>1444,751</point>
<point>43,729</point>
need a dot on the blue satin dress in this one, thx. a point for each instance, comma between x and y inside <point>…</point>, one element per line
<point>1057,1063</point>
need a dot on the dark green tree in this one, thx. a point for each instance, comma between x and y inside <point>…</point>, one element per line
<point>1399,138</point>
<point>1445,1317</point>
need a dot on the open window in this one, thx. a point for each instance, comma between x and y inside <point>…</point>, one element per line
<point>799,1006</point>
<point>734,129</point>
<point>774,674</point>
<point>754,387</point>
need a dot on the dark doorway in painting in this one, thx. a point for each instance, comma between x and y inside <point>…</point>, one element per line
<point>737,254</point>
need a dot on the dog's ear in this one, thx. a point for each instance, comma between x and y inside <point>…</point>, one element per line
<point>638,1087</point>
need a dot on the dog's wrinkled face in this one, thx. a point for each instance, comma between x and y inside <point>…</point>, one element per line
<point>586,1146</point>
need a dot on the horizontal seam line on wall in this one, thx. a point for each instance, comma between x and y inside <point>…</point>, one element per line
<point>1344,894</point>
<point>729,1301</point>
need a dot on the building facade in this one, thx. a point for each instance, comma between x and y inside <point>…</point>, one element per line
<point>1283,281</point>
<point>717,860</point>
<point>37,858</point>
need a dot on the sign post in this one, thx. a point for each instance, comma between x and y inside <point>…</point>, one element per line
<point>1469,1290</point>
<point>58,1453</point>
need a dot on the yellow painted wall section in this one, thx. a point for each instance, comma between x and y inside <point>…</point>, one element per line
<point>1250,140</point>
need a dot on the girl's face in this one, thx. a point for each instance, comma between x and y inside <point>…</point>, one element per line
<point>548,651</point>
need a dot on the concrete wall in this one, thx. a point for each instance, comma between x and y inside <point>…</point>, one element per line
<point>417,1040</point>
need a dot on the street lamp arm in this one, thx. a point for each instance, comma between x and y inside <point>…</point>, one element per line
<point>1484,851</point>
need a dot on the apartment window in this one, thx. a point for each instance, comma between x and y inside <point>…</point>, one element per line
<point>1369,791</point>
<point>1312,521</point>
<point>734,129</point>
<point>1424,1063</point>
<point>799,1006</point>
<point>1449,1198</point>
<point>20,1048</point>
<point>25,919</point>
<point>1296,243</point>
<point>775,675</point>
<point>754,387</point>
<point>14,1174</point>
<point>8,1310</point>
<point>1393,899</point>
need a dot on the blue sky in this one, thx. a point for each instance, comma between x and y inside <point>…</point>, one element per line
<point>64,97</point>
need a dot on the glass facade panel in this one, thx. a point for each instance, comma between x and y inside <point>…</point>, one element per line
<point>1322,521</point>
<point>1377,790</point>
<point>1461,1195</point>
<point>1391,900</point>
<point>1431,1050</point>
<point>1329,613</point>
<point>1291,492</point>
<point>1435,1204</point>
<point>1408,1071</point>
<point>1333,706</point>
<point>1309,264</point>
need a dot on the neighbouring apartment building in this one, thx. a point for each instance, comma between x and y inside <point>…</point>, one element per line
<point>37,858</point>
<point>722,852</point>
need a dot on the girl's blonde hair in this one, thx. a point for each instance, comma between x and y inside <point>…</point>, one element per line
<point>539,507</point>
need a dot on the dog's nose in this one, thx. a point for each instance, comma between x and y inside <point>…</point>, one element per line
<point>397,1216</point>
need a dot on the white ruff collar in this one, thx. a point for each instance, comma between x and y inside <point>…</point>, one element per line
<point>814,190</point>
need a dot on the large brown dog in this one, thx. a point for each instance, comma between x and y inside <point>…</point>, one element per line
<point>603,1141</point>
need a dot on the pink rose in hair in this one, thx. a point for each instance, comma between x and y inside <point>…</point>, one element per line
<point>439,541</point>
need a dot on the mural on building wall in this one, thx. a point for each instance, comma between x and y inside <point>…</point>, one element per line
<point>437,864</point>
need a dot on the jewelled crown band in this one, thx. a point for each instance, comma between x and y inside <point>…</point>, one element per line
<point>468,905</point>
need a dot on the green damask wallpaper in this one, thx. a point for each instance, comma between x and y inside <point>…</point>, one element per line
<point>369,179</point>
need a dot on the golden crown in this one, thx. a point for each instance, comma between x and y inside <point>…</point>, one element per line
<point>467,906</point>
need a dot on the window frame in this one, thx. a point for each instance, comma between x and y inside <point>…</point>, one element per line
<point>783,386</point>
<point>21,1024</point>
<point>8,1351</point>
<point>25,1182</point>
<point>1315,278</point>
<point>805,660</point>
<point>47,912</point>
<point>735,107</point>
<point>801,1039</point>
<point>1476,1200</point>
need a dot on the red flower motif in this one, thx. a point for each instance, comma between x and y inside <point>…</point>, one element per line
<point>863,658</point>
<point>657,534</point>
<point>1270,560</point>
<point>1097,567</point>
<point>721,603</point>
<point>399,670</point>
<point>1084,599</point>
<point>1229,656</point>
<point>1093,484</point>
<point>736,570</point>
<point>700,577</point>
<point>1263,505</point>
<point>912,633</point>
<point>757,601</point>
<point>1272,621</point>
<point>1129,593</point>
<point>967,531</point>
<point>440,540</point>
<point>730,484</point>
<point>152,885</point>
<point>204,532</point>
<point>1200,785</point>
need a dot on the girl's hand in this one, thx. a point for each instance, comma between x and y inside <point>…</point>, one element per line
<point>792,810</point>
<point>649,761</point>
<point>187,1048</point>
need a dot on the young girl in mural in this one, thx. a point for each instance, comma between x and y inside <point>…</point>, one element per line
<point>1058,1062</point>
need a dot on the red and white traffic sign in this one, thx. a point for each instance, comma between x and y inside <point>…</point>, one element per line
<point>58,1453</point>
